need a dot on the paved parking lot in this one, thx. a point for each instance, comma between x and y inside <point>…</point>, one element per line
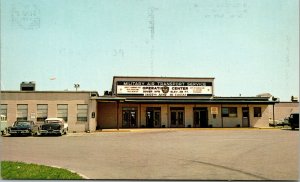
<point>197,154</point>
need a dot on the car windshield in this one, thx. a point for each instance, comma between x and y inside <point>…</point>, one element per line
<point>22,123</point>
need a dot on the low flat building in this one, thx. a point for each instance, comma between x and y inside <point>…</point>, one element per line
<point>154,102</point>
<point>76,108</point>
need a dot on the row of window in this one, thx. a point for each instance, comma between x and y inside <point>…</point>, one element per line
<point>42,111</point>
<point>232,112</point>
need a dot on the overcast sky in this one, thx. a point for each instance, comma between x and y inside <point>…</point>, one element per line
<point>248,46</point>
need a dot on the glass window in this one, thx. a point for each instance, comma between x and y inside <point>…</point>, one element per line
<point>82,112</point>
<point>22,112</point>
<point>62,111</point>
<point>232,112</point>
<point>3,110</point>
<point>42,112</point>
<point>229,112</point>
<point>257,111</point>
<point>225,112</point>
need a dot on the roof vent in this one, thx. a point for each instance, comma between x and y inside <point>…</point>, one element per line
<point>27,86</point>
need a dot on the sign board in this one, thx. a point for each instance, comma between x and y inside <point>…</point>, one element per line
<point>160,88</point>
<point>214,110</point>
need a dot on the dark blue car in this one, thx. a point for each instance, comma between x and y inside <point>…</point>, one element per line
<point>25,127</point>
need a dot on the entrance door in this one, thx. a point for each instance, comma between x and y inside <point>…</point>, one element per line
<point>153,117</point>
<point>177,117</point>
<point>200,117</point>
<point>129,118</point>
<point>245,111</point>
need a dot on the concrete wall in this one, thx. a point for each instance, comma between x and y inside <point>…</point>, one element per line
<point>283,109</point>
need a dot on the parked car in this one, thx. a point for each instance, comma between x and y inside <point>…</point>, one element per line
<point>294,120</point>
<point>23,127</point>
<point>3,125</point>
<point>54,126</point>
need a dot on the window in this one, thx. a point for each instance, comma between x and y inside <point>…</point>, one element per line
<point>3,110</point>
<point>22,112</point>
<point>229,112</point>
<point>82,112</point>
<point>62,111</point>
<point>42,112</point>
<point>257,111</point>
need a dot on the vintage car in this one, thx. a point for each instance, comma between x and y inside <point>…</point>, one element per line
<point>23,127</point>
<point>3,124</point>
<point>54,126</point>
<point>294,120</point>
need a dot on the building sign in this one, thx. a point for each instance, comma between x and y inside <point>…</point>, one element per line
<point>161,88</point>
<point>214,110</point>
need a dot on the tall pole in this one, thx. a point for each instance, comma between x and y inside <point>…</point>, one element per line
<point>118,115</point>
<point>222,116</point>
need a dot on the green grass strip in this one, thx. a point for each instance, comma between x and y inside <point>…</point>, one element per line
<point>21,170</point>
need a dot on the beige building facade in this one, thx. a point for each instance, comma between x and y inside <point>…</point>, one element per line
<point>76,108</point>
<point>283,110</point>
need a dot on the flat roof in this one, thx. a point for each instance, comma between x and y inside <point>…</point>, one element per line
<point>212,100</point>
<point>44,91</point>
<point>164,77</point>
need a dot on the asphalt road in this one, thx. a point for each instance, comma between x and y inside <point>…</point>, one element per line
<point>253,154</point>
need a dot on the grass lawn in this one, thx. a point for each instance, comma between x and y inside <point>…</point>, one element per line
<point>21,170</point>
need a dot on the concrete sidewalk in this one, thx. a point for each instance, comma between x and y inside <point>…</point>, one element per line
<point>178,129</point>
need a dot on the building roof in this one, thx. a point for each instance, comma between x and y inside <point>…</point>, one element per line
<point>163,77</point>
<point>18,91</point>
<point>211,100</point>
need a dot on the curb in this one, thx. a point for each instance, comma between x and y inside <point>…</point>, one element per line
<point>81,175</point>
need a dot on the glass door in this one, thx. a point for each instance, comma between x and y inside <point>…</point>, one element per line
<point>153,117</point>
<point>177,117</point>
<point>129,118</point>
<point>245,121</point>
<point>200,117</point>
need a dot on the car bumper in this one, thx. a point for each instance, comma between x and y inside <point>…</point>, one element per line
<point>19,132</point>
<point>50,132</point>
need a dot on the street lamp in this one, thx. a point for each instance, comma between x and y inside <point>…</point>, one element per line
<point>76,85</point>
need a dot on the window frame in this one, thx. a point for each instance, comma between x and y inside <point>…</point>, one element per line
<point>230,112</point>
<point>86,113</point>
<point>3,109</point>
<point>38,113</point>
<point>58,114</point>
<point>257,114</point>
<point>19,110</point>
